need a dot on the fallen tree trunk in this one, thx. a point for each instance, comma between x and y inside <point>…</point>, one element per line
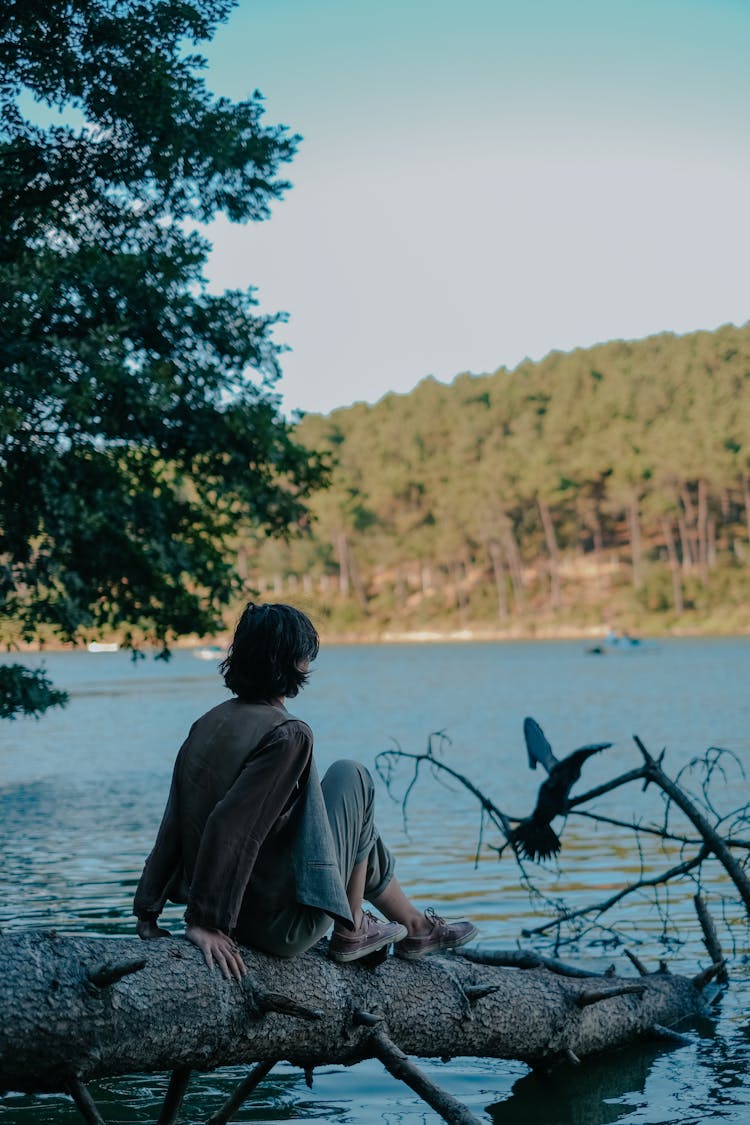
<point>78,1008</point>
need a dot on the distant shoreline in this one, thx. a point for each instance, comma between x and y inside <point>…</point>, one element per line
<point>467,636</point>
<point>543,632</point>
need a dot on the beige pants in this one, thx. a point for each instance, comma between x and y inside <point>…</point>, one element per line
<point>274,921</point>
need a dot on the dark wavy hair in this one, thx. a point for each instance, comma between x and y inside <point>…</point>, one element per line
<point>269,644</point>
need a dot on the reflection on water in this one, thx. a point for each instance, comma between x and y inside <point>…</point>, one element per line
<point>603,1091</point>
<point>81,793</point>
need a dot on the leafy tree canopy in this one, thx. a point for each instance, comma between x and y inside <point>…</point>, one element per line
<point>139,426</point>
<point>607,484</point>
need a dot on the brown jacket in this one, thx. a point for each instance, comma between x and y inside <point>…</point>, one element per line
<point>244,791</point>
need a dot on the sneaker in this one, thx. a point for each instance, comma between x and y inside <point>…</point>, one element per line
<point>371,936</point>
<point>441,935</point>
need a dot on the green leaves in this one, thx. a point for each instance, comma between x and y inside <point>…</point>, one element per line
<point>139,427</point>
<point>151,122</point>
<point>459,499</point>
<point>27,691</point>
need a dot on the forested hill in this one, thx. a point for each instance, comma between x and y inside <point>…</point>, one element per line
<point>604,486</point>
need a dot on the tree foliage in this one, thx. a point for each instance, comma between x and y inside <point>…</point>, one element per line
<point>139,425</point>
<point>27,691</point>
<point>606,484</point>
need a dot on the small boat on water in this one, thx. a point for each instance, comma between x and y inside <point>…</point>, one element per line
<point>209,652</point>
<point>617,642</point>
<point>103,646</point>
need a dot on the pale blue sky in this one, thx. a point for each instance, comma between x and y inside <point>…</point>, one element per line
<point>480,181</point>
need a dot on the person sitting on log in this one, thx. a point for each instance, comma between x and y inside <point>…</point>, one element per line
<point>263,852</point>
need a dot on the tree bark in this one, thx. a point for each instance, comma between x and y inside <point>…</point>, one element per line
<point>458,567</point>
<point>157,1007</point>
<point>635,540</point>
<point>596,526</point>
<point>498,571</point>
<point>342,552</point>
<point>356,580</point>
<point>514,565</point>
<point>674,565</point>
<point>703,530</point>
<point>553,552</point>
<point>711,556</point>
<point>687,504</point>
<point>687,554</point>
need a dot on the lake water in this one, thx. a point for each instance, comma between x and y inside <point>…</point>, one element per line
<point>82,791</point>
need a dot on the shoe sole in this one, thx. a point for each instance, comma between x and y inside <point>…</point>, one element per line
<point>356,954</point>
<point>417,955</point>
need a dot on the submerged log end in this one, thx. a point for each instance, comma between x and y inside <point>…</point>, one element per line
<point>668,1035</point>
<point>700,980</point>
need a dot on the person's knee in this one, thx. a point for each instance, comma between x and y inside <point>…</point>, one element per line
<point>346,774</point>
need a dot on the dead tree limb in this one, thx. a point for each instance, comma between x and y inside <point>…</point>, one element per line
<point>241,1093</point>
<point>523,959</point>
<point>84,1102</point>
<point>709,839</point>
<point>635,826</point>
<point>700,980</point>
<point>105,975</point>
<point>607,787</point>
<point>636,961</point>
<point>178,1084</point>
<point>606,904</point>
<point>714,842</point>
<point>669,1035</point>
<point>596,995</point>
<point>710,937</point>
<point>397,1063</point>
<point>386,758</point>
<point>177,1015</point>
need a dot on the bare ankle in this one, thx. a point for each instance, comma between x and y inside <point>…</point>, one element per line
<point>417,924</point>
<point>357,918</point>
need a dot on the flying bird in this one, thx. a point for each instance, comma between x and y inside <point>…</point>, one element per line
<point>534,836</point>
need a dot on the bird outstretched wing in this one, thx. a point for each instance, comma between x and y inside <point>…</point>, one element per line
<point>534,836</point>
<point>537,746</point>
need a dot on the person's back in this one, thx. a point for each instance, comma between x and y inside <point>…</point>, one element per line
<point>257,846</point>
<point>219,745</point>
